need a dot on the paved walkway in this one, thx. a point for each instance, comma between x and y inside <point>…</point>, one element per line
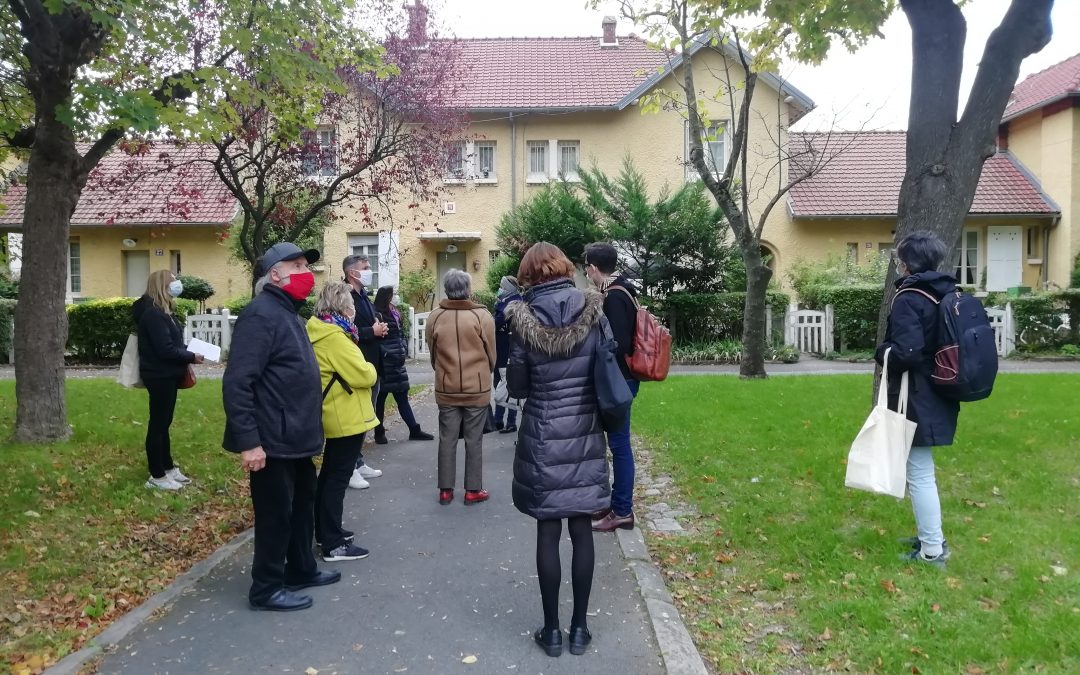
<point>443,583</point>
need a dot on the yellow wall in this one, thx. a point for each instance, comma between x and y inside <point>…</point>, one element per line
<point>201,255</point>
<point>1050,148</point>
<point>655,142</point>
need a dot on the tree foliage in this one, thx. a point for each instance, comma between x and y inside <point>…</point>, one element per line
<point>555,214</point>
<point>94,72</point>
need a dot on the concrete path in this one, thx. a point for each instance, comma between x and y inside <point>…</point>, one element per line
<point>442,584</point>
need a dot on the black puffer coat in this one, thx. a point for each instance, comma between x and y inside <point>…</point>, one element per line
<point>393,377</point>
<point>560,466</point>
<point>162,355</point>
<point>913,335</point>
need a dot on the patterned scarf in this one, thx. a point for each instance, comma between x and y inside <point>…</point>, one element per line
<point>344,324</point>
<point>606,283</point>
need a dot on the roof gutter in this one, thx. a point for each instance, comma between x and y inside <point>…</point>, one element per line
<point>1040,105</point>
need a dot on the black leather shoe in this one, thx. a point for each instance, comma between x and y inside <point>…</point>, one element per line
<point>549,640</point>
<point>419,434</point>
<point>509,429</point>
<point>283,601</point>
<point>580,637</point>
<point>380,439</point>
<point>321,578</point>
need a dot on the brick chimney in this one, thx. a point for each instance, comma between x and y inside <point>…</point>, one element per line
<point>608,26</point>
<point>418,20</point>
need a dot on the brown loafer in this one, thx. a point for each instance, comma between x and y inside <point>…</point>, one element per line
<point>599,515</point>
<point>612,522</point>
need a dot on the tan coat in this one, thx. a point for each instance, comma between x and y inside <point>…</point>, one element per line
<point>460,337</point>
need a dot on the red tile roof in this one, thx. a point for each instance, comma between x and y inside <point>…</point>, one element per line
<point>864,176</point>
<point>142,190</point>
<point>1053,84</point>
<point>504,73</point>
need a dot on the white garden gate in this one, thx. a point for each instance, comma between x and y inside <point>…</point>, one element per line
<point>809,330</point>
<point>213,328</point>
<point>417,344</point>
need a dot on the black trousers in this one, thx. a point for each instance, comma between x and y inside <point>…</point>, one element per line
<point>283,496</point>
<point>162,406</point>
<point>339,459</point>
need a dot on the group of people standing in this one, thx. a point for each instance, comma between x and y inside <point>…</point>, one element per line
<point>294,390</point>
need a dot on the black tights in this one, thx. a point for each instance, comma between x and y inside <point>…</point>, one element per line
<point>549,567</point>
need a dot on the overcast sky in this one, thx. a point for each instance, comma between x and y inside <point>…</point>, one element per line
<point>867,88</point>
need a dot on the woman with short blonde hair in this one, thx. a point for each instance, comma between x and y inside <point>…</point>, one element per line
<point>347,413</point>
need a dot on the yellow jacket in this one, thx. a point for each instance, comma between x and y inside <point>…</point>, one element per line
<point>344,412</point>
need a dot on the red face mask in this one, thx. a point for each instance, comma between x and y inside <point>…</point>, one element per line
<point>299,285</point>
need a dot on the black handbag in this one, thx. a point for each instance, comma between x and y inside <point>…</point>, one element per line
<point>613,395</point>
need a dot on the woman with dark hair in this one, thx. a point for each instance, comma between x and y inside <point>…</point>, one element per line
<point>912,333</point>
<point>394,378</point>
<point>560,465</point>
<point>163,360</point>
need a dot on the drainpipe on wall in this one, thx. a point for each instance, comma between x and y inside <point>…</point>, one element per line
<point>1045,272</point>
<point>513,161</point>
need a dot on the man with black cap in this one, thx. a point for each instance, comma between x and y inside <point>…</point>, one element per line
<point>273,418</point>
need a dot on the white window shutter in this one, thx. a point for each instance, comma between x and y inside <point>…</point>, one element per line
<point>389,254</point>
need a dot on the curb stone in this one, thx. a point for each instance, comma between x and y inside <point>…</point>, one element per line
<point>681,657</point>
<point>119,629</point>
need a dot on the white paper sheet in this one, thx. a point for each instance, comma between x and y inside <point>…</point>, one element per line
<point>211,352</point>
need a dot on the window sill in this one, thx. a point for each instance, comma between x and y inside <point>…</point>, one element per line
<point>537,180</point>
<point>1034,261</point>
<point>487,181</point>
<point>453,181</point>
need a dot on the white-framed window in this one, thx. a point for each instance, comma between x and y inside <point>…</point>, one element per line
<point>484,160</point>
<point>537,157</point>
<point>367,245</point>
<point>568,159</point>
<point>319,154</point>
<point>456,161</point>
<point>966,259</point>
<point>493,255</point>
<point>714,143</point>
<point>74,280</point>
<point>174,263</point>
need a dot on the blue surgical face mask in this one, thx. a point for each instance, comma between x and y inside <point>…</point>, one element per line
<point>176,287</point>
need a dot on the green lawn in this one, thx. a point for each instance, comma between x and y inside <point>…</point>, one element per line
<point>788,569</point>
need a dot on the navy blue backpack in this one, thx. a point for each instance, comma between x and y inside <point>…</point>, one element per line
<point>613,395</point>
<point>966,361</point>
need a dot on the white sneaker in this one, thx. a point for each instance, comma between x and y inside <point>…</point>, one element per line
<point>175,474</point>
<point>368,472</point>
<point>164,483</point>
<point>357,481</point>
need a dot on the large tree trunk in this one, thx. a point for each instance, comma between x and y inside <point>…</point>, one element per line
<point>54,182</point>
<point>752,364</point>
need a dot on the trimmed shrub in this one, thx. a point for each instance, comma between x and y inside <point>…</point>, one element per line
<point>711,317</point>
<point>485,298</point>
<point>504,266</point>
<point>7,314</point>
<point>9,288</point>
<point>99,329</point>
<point>196,289</point>
<point>416,288</point>
<point>855,313</point>
<point>727,351</point>
<point>1040,320</point>
<point>236,305</point>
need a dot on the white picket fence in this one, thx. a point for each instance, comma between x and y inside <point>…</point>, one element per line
<point>216,329</point>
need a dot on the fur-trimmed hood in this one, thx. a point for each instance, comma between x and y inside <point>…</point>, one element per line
<point>557,304</point>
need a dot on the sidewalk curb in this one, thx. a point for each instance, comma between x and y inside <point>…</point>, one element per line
<point>122,627</point>
<point>681,657</point>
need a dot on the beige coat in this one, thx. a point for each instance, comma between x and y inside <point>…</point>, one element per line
<point>460,337</point>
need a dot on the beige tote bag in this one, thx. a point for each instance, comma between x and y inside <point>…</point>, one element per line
<point>129,364</point>
<point>877,461</point>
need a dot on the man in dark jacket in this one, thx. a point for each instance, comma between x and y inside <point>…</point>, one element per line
<point>370,333</point>
<point>273,418</point>
<point>508,292</point>
<point>621,312</point>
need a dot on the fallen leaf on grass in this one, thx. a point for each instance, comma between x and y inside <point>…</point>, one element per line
<point>972,669</point>
<point>985,539</point>
<point>995,491</point>
<point>935,608</point>
<point>889,586</point>
<point>826,636</point>
<point>988,604</point>
<point>952,582</point>
<point>311,671</point>
<point>708,479</point>
<point>1059,570</point>
<point>724,558</point>
<point>972,502</point>
<point>469,659</point>
<point>792,577</point>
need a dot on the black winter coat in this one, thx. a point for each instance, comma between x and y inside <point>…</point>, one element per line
<point>393,376</point>
<point>912,333</point>
<point>162,355</point>
<point>560,465</point>
<point>621,313</point>
<point>502,330</point>
<point>365,317</point>
<point>271,390</point>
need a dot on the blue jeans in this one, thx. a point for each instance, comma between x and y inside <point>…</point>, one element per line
<point>922,487</point>
<point>622,465</point>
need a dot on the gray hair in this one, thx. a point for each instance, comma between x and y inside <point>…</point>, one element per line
<point>351,260</point>
<point>921,251</point>
<point>334,298</point>
<point>457,284</point>
<point>265,279</point>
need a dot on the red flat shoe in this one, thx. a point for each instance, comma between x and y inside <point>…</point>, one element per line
<point>476,496</point>
<point>446,496</point>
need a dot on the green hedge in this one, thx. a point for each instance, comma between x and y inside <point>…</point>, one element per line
<point>855,312</point>
<point>485,298</point>
<point>503,266</point>
<point>1039,320</point>
<point>7,313</point>
<point>99,329</point>
<point>710,317</point>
